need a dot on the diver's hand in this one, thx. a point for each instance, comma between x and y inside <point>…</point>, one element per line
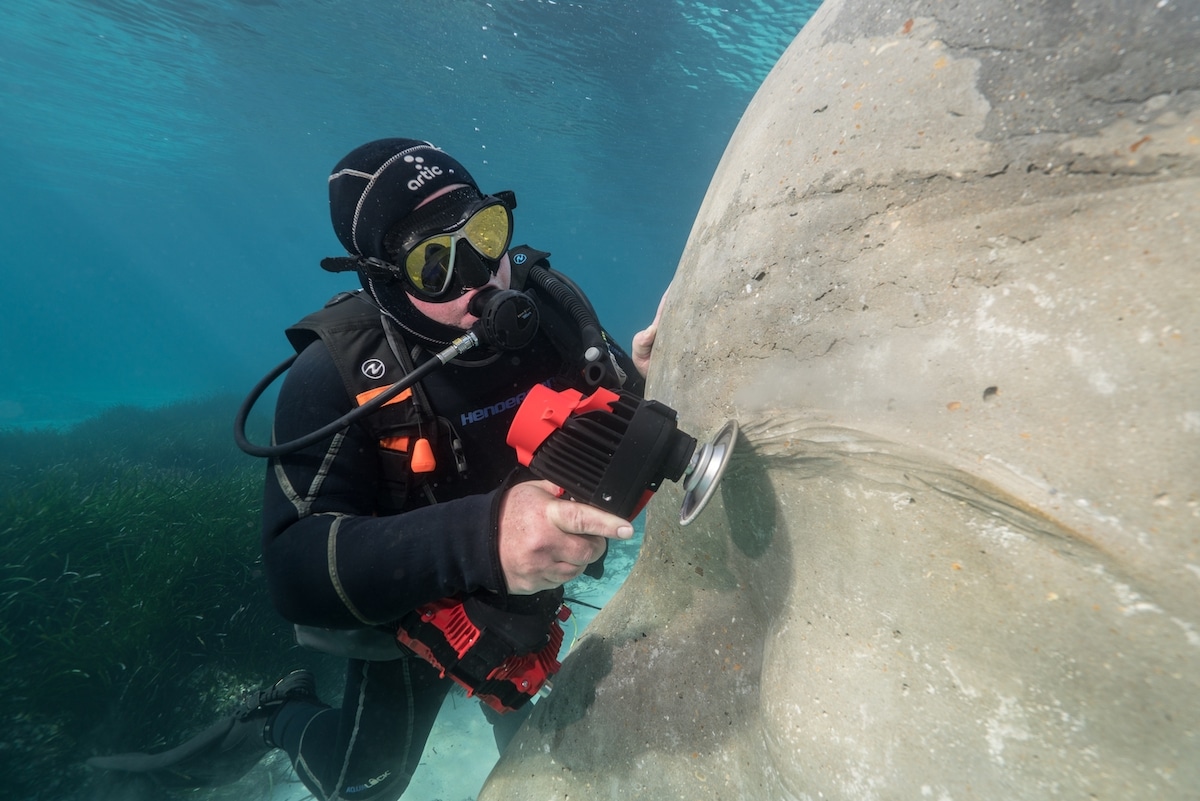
<point>643,341</point>
<point>545,541</point>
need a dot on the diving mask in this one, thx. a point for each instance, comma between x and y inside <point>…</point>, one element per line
<point>453,244</point>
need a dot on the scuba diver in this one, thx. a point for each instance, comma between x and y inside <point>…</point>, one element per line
<point>392,526</point>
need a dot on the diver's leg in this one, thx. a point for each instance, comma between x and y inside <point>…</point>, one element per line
<point>226,750</point>
<point>371,747</point>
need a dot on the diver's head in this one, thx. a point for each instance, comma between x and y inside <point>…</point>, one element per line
<point>426,238</point>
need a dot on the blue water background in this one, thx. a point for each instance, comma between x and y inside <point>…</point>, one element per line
<point>165,209</point>
<point>165,163</point>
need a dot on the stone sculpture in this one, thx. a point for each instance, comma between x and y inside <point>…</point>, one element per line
<point>946,278</point>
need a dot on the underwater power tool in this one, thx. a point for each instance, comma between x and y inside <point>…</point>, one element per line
<point>613,450</point>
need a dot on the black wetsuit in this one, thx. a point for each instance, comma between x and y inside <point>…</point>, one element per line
<point>334,560</point>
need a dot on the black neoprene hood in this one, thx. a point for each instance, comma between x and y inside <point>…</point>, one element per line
<point>378,184</point>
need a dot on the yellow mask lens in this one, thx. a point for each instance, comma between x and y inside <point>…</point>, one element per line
<point>487,231</point>
<point>428,265</point>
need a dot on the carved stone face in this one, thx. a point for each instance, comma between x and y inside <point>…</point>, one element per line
<point>945,277</point>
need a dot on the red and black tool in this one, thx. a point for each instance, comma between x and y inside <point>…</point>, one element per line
<point>613,450</point>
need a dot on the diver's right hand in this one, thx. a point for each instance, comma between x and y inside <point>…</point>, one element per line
<point>545,541</point>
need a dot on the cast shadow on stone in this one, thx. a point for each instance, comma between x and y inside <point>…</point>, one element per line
<point>711,701</point>
<point>750,500</point>
<point>591,661</point>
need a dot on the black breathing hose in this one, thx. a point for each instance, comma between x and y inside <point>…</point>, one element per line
<point>508,320</point>
<point>594,346</point>
<point>239,424</point>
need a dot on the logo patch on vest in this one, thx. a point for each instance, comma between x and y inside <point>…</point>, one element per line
<point>373,369</point>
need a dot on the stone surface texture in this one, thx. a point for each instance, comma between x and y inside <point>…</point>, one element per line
<point>946,277</point>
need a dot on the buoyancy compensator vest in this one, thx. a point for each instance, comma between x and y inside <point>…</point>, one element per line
<point>370,357</point>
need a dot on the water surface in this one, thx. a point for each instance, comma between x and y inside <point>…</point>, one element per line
<point>165,162</point>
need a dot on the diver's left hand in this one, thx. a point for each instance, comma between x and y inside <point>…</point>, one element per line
<point>643,341</point>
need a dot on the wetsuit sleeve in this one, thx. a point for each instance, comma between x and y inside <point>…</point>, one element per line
<point>329,560</point>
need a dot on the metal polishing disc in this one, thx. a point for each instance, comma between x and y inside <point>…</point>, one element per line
<point>708,467</point>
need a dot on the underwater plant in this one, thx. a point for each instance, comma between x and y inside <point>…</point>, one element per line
<point>132,608</point>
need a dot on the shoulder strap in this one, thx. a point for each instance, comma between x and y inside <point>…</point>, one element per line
<point>371,355</point>
<point>522,258</point>
<point>353,330</point>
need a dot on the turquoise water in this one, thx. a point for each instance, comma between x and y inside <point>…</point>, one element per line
<point>165,162</point>
<point>165,211</point>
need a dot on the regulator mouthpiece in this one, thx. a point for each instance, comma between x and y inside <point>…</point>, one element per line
<point>508,319</point>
